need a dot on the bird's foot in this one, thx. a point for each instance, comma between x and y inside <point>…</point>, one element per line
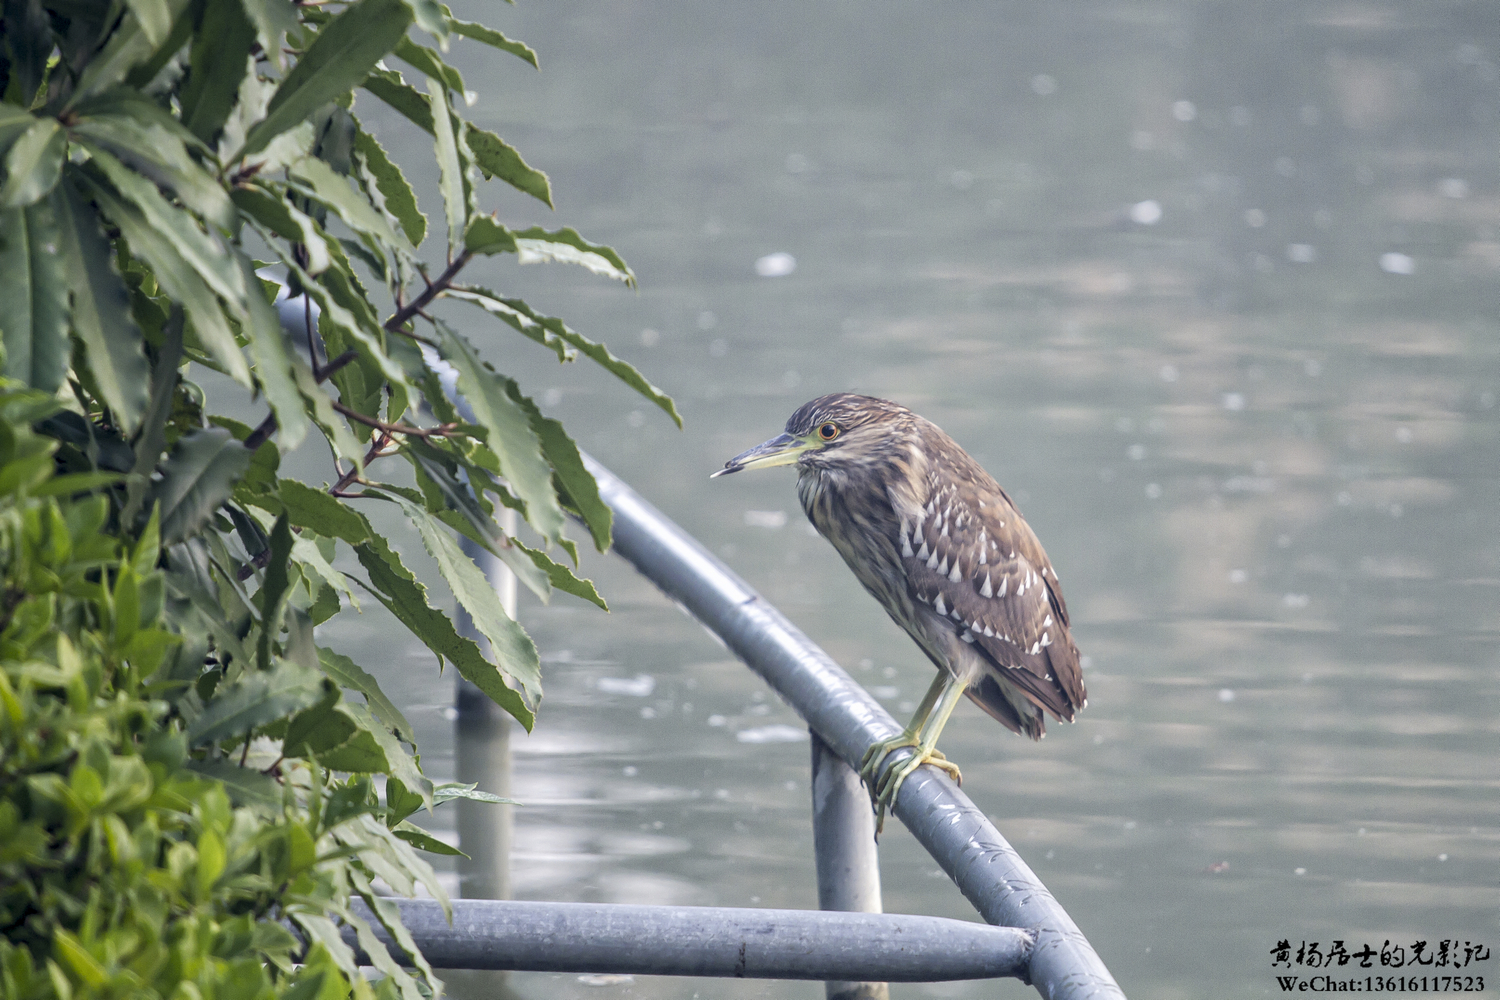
<point>883,790</point>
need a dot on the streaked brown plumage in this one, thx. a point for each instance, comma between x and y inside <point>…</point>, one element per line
<point>945,551</point>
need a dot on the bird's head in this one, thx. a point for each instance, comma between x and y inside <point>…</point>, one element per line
<point>838,431</point>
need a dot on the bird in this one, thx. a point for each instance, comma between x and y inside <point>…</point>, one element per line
<point>942,547</point>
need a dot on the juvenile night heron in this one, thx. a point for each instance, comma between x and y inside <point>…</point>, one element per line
<point>943,549</point>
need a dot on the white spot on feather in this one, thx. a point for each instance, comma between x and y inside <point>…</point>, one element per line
<point>986,591</point>
<point>922,552</point>
<point>989,631</point>
<point>942,566</point>
<point>1046,639</point>
<point>942,608</point>
<point>906,545</point>
<point>1035,648</point>
<point>984,556</point>
<point>955,576</point>
<point>1048,621</point>
<point>1004,582</point>
<point>967,636</point>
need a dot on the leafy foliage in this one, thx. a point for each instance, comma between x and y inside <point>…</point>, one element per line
<point>182,768</point>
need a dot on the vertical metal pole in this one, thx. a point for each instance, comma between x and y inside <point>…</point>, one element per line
<point>485,831</point>
<point>844,844</point>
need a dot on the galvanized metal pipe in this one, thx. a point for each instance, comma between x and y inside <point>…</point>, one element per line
<point>1005,891</point>
<point>844,847</point>
<point>708,941</point>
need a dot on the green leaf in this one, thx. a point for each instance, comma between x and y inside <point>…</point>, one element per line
<point>327,515</point>
<point>450,168</point>
<point>398,763</point>
<point>451,790</point>
<point>246,786</point>
<point>127,47</point>
<point>390,87</point>
<point>168,241</point>
<point>152,439</point>
<point>101,311</point>
<point>196,479</point>
<point>29,32</point>
<point>424,841</point>
<point>273,365</point>
<point>319,180</point>
<point>487,236</point>
<point>254,699</point>
<point>348,674</point>
<point>140,134</point>
<point>33,164</point>
<point>399,199</point>
<point>75,482</point>
<point>216,68</point>
<point>285,220</point>
<point>400,592</point>
<point>561,576</point>
<point>34,288</point>
<point>272,20</point>
<point>580,486</point>
<point>276,586</point>
<point>536,245</point>
<point>497,158</point>
<point>554,333</point>
<point>489,36</point>
<point>427,62</point>
<point>495,401</point>
<point>513,649</point>
<point>155,18</point>
<point>343,53</point>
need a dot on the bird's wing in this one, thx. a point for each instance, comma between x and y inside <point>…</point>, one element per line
<point>984,569</point>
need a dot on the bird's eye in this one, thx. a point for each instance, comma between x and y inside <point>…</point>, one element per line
<point>828,431</point>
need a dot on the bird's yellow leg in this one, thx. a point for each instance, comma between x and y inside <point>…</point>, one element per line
<point>869,766</point>
<point>949,691</point>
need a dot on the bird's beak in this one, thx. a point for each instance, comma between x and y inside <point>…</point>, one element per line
<point>783,449</point>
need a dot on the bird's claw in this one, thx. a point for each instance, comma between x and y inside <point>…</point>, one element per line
<point>885,786</point>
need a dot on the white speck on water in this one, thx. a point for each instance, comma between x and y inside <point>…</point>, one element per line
<point>1168,373</point>
<point>1136,452</point>
<point>1234,402</point>
<point>648,712</point>
<point>552,397</point>
<point>1098,738</point>
<point>1442,857</point>
<point>1226,695</point>
<point>775,265</point>
<point>1295,600</point>
<point>717,720</point>
<point>1146,213</point>
<point>1051,854</point>
<point>707,319</point>
<point>1300,871</point>
<point>636,419</point>
<point>1238,576</point>
<point>1043,85</point>
<point>1397,510</point>
<point>722,794</point>
<point>1130,824</point>
<point>630,770</point>
<point>776,732</point>
<point>1301,253</point>
<point>1344,498</point>
<point>1312,367</point>
<point>650,337</point>
<point>1397,263</point>
<point>1153,491</point>
<point>719,348</point>
<point>1255,218</point>
<point>1142,141</point>
<point>1453,187</point>
<point>450,713</point>
<point>609,979</point>
<point>1085,662</point>
<point>1361,831</point>
<point>1184,111</point>
<point>885,691</point>
<point>639,685</point>
<point>1404,435</point>
<point>772,519</point>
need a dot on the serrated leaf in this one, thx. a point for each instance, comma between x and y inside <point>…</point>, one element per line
<point>276,586</point>
<point>581,487</point>
<point>451,790</point>
<point>390,87</point>
<point>272,20</point>
<point>285,221</point>
<point>34,163</point>
<point>427,62</point>
<point>342,54</point>
<point>396,588</point>
<point>101,310</point>
<point>399,764</point>
<point>335,428</point>
<point>537,245</point>
<point>327,515</point>
<point>551,332</point>
<point>513,649</point>
<point>348,674</point>
<point>495,402</point>
<point>34,288</point>
<point>321,182</point>
<point>129,46</point>
<point>254,699</point>
<point>155,18</point>
<point>399,199</point>
<point>273,364</point>
<point>216,67</point>
<point>489,36</point>
<point>497,158</point>
<point>561,576</point>
<point>450,168</point>
<point>198,476</point>
<point>178,266</point>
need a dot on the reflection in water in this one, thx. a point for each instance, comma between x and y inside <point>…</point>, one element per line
<point>1211,286</point>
